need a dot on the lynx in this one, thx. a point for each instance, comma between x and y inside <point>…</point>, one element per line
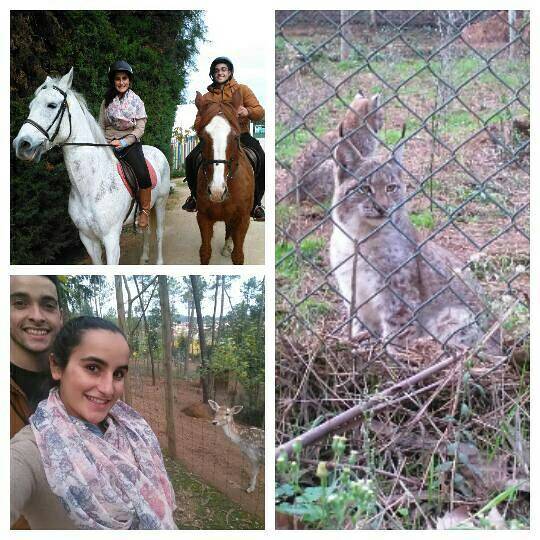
<point>313,170</point>
<point>399,287</point>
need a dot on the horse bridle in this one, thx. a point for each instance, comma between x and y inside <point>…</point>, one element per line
<point>228,162</point>
<point>63,107</point>
<point>61,111</point>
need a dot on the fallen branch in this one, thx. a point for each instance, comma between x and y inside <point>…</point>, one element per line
<point>351,415</point>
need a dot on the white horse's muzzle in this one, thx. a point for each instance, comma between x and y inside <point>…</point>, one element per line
<point>27,149</point>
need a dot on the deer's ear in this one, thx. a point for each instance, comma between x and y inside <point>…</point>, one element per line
<point>236,409</point>
<point>213,405</point>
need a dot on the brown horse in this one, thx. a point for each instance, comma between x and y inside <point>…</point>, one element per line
<point>225,181</point>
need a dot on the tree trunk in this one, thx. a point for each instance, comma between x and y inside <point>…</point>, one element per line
<point>146,331</point>
<point>512,34</point>
<point>214,315</point>
<point>221,309</point>
<point>189,348</point>
<point>345,47</point>
<point>202,341</point>
<point>122,325</point>
<point>166,327</point>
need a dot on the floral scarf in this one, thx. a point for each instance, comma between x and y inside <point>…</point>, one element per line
<point>122,114</point>
<point>117,481</point>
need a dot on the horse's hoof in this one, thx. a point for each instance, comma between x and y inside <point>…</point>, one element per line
<point>227,249</point>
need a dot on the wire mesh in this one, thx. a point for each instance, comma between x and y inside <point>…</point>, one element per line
<point>202,448</point>
<point>452,122</point>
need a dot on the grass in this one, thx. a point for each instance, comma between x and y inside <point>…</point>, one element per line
<point>423,220</point>
<point>200,506</point>
<point>291,261</point>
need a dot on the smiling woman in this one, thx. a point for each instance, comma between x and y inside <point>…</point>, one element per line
<point>87,460</point>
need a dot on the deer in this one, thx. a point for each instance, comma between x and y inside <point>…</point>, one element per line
<point>250,440</point>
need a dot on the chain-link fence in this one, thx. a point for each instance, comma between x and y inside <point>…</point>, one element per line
<point>209,457</point>
<point>402,218</point>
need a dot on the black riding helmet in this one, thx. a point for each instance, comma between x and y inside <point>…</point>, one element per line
<point>221,60</point>
<point>120,65</point>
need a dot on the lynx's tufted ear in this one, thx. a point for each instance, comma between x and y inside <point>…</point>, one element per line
<point>375,118</point>
<point>399,151</point>
<point>346,157</point>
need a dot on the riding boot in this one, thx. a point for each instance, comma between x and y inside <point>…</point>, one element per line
<point>258,213</point>
<point>145,198</point>
<point>190,205</point>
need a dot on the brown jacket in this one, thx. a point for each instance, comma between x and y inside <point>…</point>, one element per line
<point>19,413</point>
<point>249,101</point>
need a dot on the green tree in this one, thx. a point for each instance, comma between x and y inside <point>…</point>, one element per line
<point>160,45</point>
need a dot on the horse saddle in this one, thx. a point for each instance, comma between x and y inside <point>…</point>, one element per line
<point>127,174</point>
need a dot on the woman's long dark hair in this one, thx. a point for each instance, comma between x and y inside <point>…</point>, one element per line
<point>112,92</point>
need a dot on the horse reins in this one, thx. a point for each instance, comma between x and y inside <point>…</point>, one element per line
<point>63,107</point>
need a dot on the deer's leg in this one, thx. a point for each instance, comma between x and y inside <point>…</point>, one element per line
<point>254,472</point>
<point>206,228</point>
<point>93,246</point>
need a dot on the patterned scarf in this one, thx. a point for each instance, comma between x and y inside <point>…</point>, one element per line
<point>122,114</point>
<point>117,481</point>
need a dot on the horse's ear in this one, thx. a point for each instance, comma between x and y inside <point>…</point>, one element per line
<point>237,99</point>
<point>198,100</point>
<point>67,80</point>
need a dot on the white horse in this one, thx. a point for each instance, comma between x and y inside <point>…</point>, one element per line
<point>98,201</point>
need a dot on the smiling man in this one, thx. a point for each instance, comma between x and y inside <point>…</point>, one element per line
<point>35,319</point>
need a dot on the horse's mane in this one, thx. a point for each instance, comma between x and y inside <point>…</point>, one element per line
<point>95,128</point>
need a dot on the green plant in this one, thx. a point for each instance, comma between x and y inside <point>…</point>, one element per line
<point>423,219</point>
<point>341,497</point>
<point>286,262</point>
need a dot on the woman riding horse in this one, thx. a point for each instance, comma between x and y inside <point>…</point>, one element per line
<point>221,90</point>
<point>123,118</point>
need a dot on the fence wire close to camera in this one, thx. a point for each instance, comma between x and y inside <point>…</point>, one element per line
<point>448,109</point>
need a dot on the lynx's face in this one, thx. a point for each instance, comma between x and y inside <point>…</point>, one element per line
<point>368,190</point>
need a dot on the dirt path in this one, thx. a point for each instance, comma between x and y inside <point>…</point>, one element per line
<point>182,238</point>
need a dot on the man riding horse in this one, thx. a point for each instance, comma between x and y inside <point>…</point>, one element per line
<point>221,90</point>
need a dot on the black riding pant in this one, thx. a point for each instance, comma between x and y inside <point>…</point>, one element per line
<point>134,155</point>
<point>246,140</point>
